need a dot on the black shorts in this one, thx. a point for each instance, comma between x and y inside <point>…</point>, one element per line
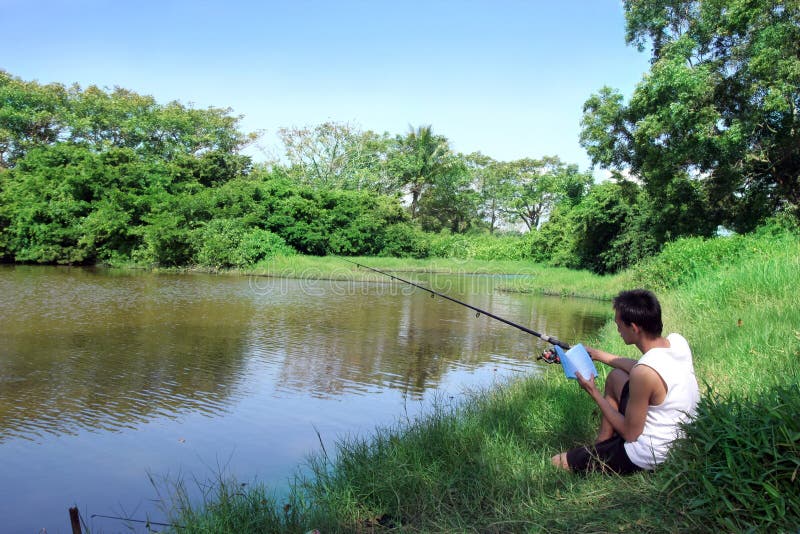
<point>608,456</point>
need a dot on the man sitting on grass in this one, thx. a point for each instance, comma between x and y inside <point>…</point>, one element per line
<point>644,400</point>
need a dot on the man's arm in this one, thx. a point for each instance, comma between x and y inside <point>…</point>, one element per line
<point>644,383</point>
<point>612,360</point>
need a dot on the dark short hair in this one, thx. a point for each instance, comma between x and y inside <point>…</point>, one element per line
<point>640,306</point>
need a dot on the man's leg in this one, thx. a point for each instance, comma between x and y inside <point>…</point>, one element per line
<point>613,392</point>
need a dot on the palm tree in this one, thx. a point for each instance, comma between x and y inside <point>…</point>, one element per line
<point>422,157</point>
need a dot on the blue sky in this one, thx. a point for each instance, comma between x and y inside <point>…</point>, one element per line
<point>507,78</point>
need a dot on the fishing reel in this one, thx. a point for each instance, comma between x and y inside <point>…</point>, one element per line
<point>549,356</point>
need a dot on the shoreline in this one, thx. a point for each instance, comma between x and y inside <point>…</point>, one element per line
<point>529,277</point>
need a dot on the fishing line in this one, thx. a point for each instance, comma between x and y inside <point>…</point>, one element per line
<point>478,311</point>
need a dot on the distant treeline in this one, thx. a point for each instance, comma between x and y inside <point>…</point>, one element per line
<point>710,137</point>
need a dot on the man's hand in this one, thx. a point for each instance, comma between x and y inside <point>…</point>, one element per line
<point>612,360</point>
<point>588,385</point>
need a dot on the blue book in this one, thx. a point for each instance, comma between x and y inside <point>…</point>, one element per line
<point>576,359</point>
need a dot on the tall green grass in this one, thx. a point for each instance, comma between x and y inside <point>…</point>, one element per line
<point>230,507</point>
<point>738,467</point>
<point>484,466</point>
<point>687,259</point>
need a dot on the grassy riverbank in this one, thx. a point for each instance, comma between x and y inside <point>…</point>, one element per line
<point>484,466</point>
<point>532,277</point>
<point>528,277</point>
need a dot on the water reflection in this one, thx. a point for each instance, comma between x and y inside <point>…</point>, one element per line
<point>103,353</point>
<point>104,350</point>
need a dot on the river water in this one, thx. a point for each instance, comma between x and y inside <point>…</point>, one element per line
<point>114,385</point>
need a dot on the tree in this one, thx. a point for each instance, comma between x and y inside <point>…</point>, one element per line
<point>721,103</point>
<point>419,160</point>
<point>174,129</point>
<point>338,155</point>
<point>607,230</point>
<point>493,182</point>
<point>108,119</point>
<point>450,201</point>
<point>34,115</point>
<point>68,204</point>
<point>30,115</point>
<point>538,185</point>
<point>210,168</point>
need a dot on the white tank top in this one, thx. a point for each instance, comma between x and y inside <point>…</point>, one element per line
<point>674,365</point>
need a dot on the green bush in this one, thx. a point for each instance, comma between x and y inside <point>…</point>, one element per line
<point>509,247</point>
<point>405,240</point>
<point>553,242</point>
<point>684,259</point>
<point>480,247</point>
<point>224,243</point>
<point>737,468</point>
<point>44,202</point>
<point>217,243</point>
<point>165,239</point>
<point>259,244</point>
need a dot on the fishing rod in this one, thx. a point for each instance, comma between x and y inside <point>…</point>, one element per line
<point>479,311</point>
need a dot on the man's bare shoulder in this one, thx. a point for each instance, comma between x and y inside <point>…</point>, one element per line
<point>645,381</point>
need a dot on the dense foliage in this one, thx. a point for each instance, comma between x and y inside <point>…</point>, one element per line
<point>68,204</point>
<point>721,104</point>
<point>92,176</point>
